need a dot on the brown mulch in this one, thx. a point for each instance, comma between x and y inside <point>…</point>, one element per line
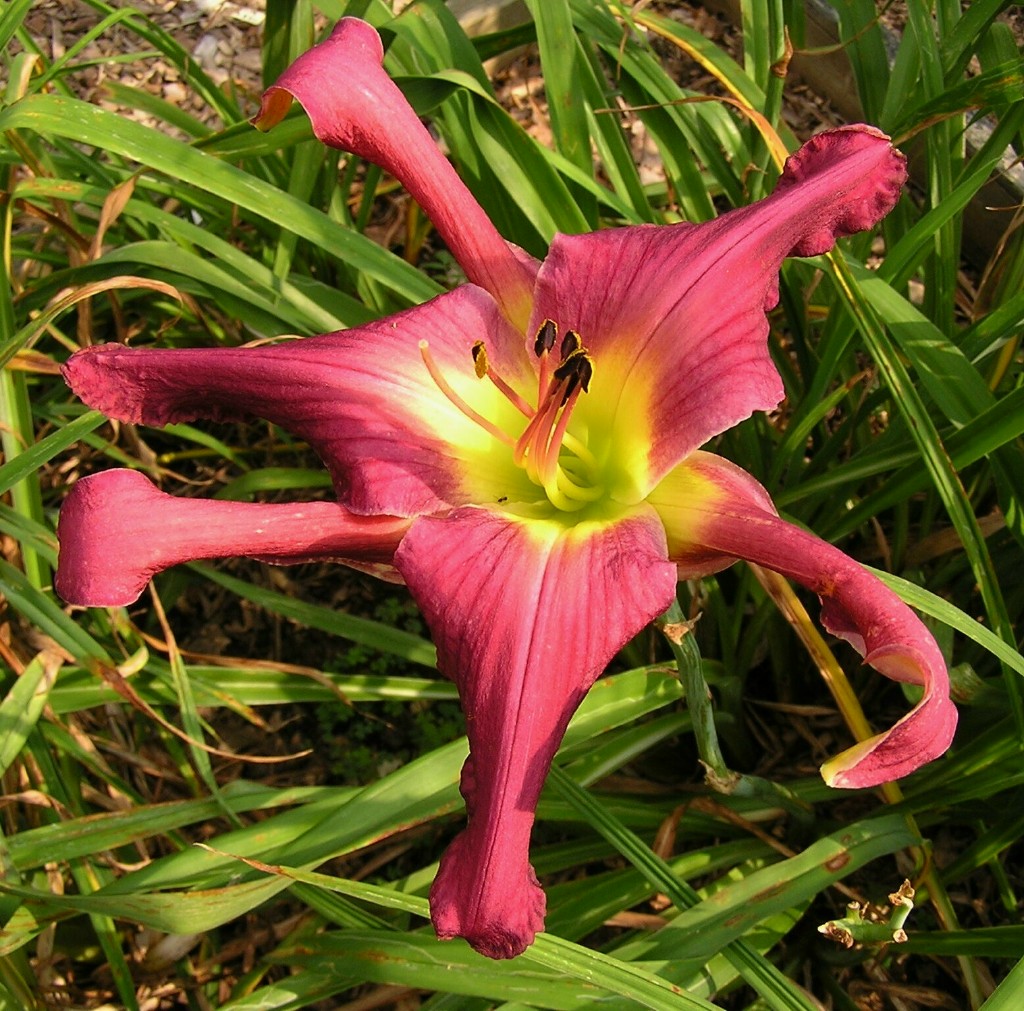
<point>222,36</point>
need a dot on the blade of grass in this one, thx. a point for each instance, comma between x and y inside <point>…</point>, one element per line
<point>362,630</point>
<point>52,115</point>
<point>937,607</point>
<point>23,705</point>
<point>11,18</point>
<point>32,459</point>
<point>778,991</point>
<point>560,58</point>
<point>939,466</point>
<point>1009,995</point>
<point>16,436</point>
<point>172,912</point>
<point>567,959</point>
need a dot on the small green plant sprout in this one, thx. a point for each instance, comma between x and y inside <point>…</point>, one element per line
<point>865,924</point>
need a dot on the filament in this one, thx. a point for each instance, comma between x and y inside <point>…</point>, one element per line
<point>445,388</point>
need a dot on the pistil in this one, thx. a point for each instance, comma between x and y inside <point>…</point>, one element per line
<point>569,479</point>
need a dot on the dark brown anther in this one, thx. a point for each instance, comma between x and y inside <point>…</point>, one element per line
<point>572,364</point>
<point>570,389</point>
<point>586,369</point>
<point>571,343</point>
<point>576,370</point>
<point>480,363</point>
<point>546,336</point>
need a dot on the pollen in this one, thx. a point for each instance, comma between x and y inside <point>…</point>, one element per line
<point>479,353</point>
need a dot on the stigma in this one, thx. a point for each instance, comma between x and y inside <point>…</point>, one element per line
<point>553,457</point>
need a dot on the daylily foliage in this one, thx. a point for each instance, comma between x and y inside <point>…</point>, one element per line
<point>524,453</point>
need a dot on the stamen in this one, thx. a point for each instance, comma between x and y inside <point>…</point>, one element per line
<point>482,367</point>
<point>578,492</point>
<point>577,369</point>
<point>530,445</point>
<point>445,388</point>
<point>560,500</point>
<point>571,480</point>
<point>571,342</point>
<point>584,459</point>
<point>580,451</point>
<point>542,345</point>
<point>547,334</point>
<point>554,443</point>
<point>539,446</point>
<point>568,496</point>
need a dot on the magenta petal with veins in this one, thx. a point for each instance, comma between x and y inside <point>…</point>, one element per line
<point>362,398</point>
<point>526,614</point>
<point>714,511</point>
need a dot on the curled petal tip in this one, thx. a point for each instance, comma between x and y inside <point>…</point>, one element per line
<point>117,530</point>
<point>136,385</point>
<point>499,918</point>
<point>93,375</point>
<point>354,105</point>
<point>354,46</point>
<point>921,736</point>
<point>904,663</point>
<point>900,647</point>
<point>716,507</point>
<point>97,566</point>
<point>273,108</point>
<point>864,173</point>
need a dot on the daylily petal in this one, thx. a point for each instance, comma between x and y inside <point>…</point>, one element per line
<point>363,398</point>
<point>117,530</point>
<point>713,507</point>
<point>355,106</point>
<point>525,614</point>
<point>674,317</point>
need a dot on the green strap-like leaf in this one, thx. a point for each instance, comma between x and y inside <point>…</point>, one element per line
<point>89,124</point>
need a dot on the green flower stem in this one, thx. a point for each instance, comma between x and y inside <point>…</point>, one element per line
<point>717,774</point>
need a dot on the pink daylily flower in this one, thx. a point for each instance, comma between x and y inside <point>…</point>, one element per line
<point>524,453</point>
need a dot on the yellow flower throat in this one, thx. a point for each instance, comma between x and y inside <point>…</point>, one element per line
<point>552,457</point>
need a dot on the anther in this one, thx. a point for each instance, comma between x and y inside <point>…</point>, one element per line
<point>480,364</point>
<point>571,343</point>
<point>576,370</point>
<point>445,387</point>
<point>482,367</point>
<point>547,334</point>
